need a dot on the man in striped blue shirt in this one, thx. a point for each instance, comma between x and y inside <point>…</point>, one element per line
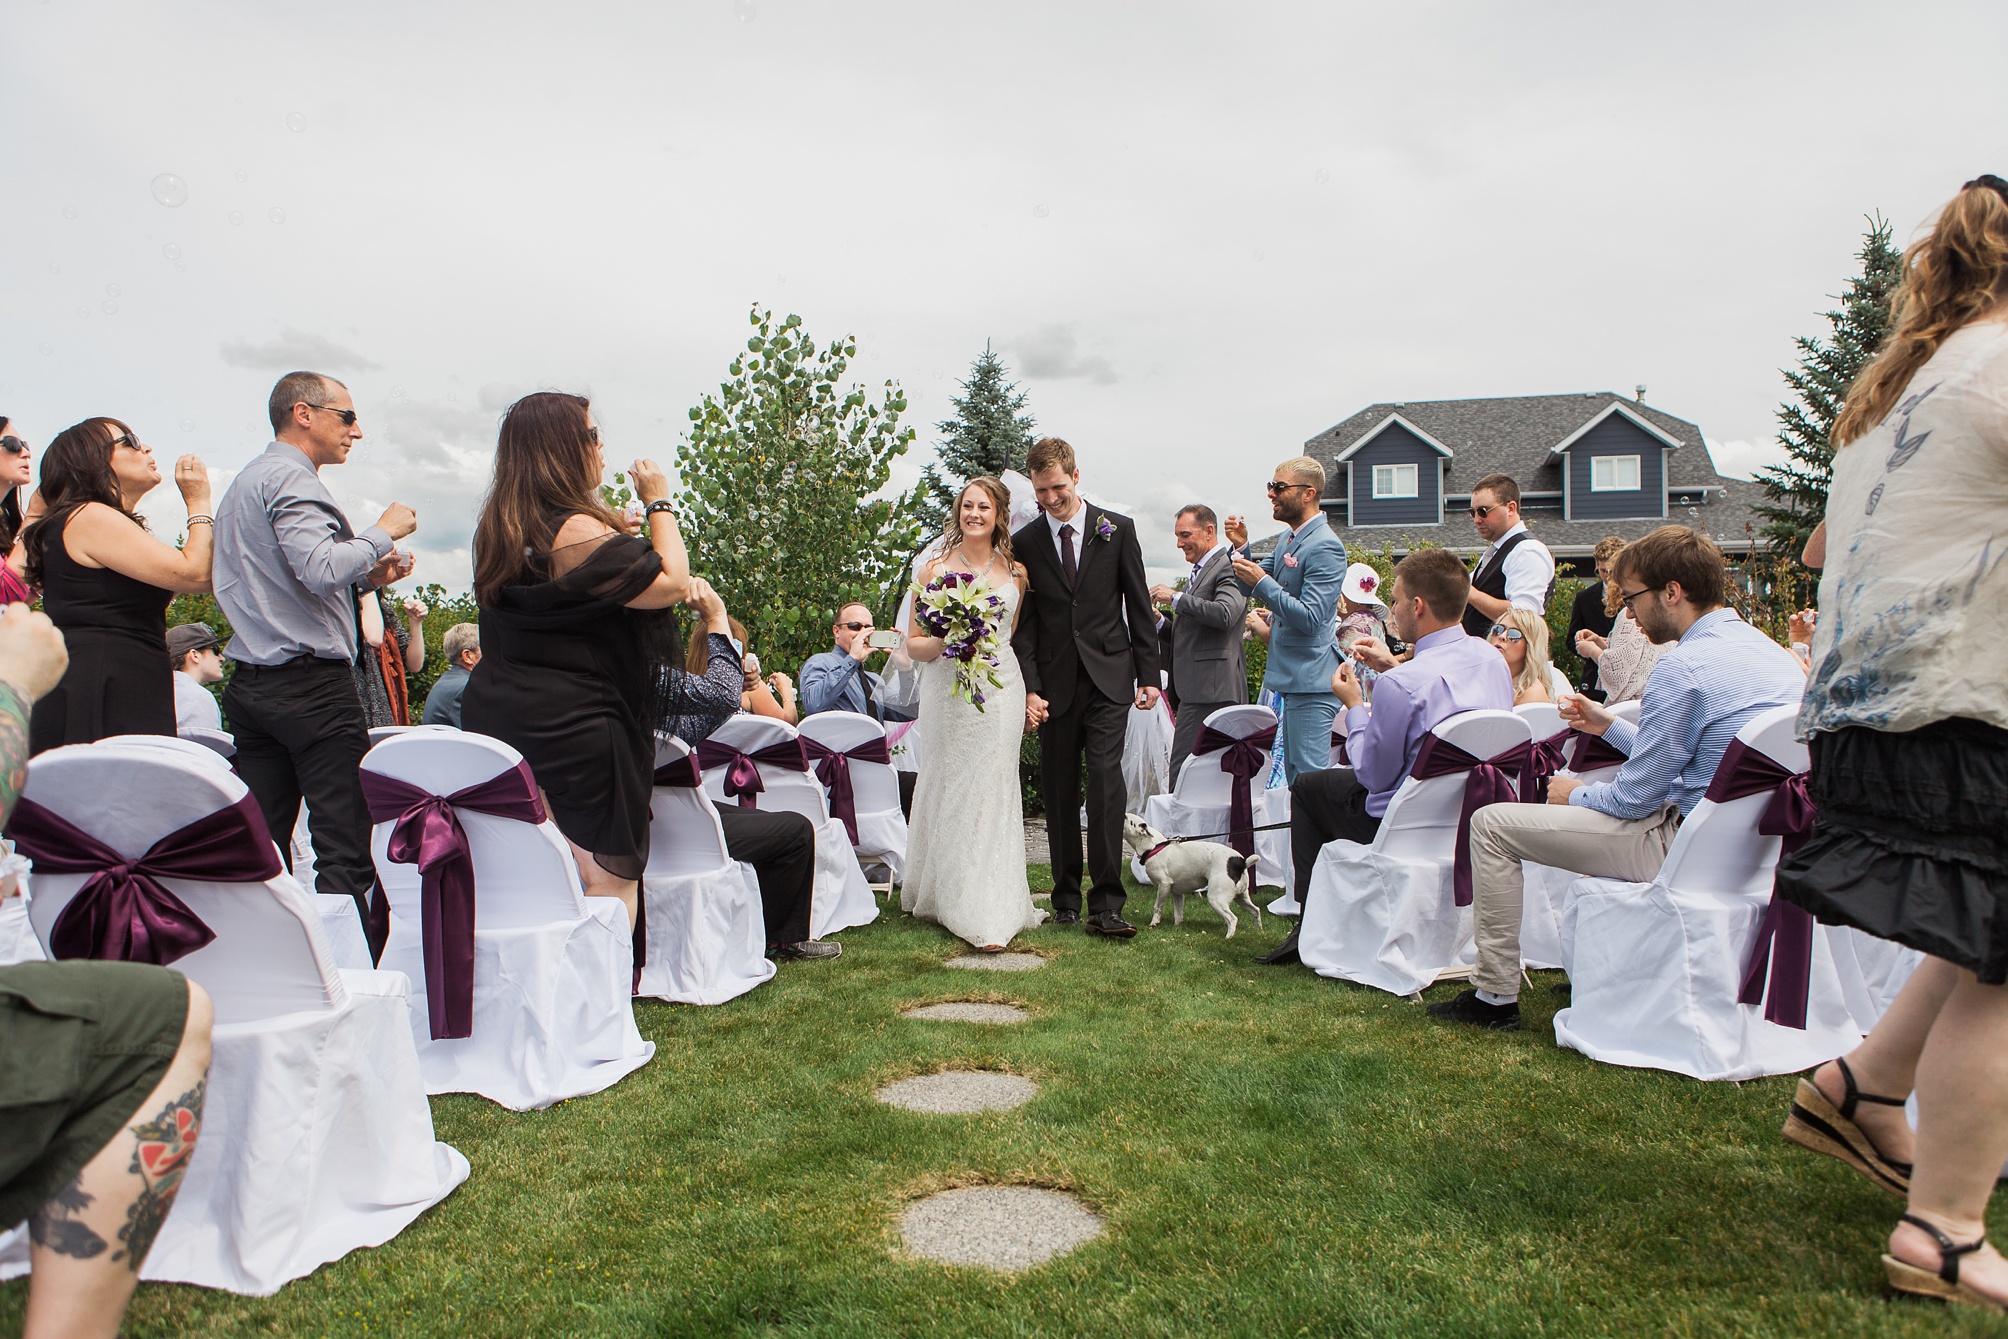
<point>1721,673</point>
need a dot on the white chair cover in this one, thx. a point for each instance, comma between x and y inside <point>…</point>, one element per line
<point>1147,755</point>
<point>553,968</point>
<point>1541,917</point>
<point>903,738</point>
<point>221,741</point>
<point>843,897</point>
<point>707,940</point>
<point>1872,970</point>
<point>1198,805</point>
<point>317,1138</point>
<point>1386,915</point>
<point>874,785</point>
<point>1655,967</point>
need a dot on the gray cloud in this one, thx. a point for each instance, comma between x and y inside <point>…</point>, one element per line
<point>295,349</point>
<point>1053,352</point>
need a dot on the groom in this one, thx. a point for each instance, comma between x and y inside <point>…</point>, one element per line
<point>1085,667</point>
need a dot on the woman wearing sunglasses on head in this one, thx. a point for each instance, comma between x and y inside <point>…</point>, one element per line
<point>16,473</point>
<point>1521,636</point>
<point>106,582</point>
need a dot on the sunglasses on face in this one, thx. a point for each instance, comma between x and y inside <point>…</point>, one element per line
<point>1276,487</point>
<point>13,446</point>
<point>124,439</point>
<point>1501,633</point>
<point>854,627</point>
<point>1480,513</point>
<point>347,416</point>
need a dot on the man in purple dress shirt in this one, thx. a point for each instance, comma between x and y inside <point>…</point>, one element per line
<point>1450,672</point>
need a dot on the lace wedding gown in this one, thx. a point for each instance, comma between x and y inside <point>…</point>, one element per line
<point>965,847</point>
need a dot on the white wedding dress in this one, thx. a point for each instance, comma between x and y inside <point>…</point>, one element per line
<point>965,846</point>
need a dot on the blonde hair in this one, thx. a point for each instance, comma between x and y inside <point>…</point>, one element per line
<point>1305,470</point>
<point>1950,277</point>
<point>1607,551</point>
<point>1534,669</point>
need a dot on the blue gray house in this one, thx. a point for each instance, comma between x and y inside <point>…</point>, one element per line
<point>1588,465</point>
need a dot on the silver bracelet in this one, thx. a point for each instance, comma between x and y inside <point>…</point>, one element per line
<point>201,520</point>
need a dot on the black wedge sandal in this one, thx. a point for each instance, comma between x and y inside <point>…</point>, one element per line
<point>1944,1286</point>
<point>1817,1124</point>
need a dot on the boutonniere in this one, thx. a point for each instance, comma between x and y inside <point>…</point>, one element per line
<point>1104,529</point>
<point>1289,560</point>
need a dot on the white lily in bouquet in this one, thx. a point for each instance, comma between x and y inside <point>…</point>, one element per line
<point>968,619</point>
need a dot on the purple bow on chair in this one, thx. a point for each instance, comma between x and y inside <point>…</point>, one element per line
<point>123,913</point>
<point>1244,760</point>
<point>1494,780</point>
<point>1592,752</point>
<point>1543,761</point>
<point>742,771</point>
<point>680,772</point>
<point>427,833</point>
<point>833,769</point>
<point>1341,755</point>
<point>1784,947</point>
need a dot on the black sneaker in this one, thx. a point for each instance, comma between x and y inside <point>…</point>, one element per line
<point>1468,1008</point>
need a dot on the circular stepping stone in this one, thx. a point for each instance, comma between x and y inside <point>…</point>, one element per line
<point>965,1011</point>
<point>958,1092</point>
<point>999,962</point>
<point>1006,1228</point>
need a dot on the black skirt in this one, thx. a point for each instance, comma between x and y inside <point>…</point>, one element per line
<point>1911,840</point>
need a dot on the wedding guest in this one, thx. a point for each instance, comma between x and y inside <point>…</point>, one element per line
<point>1362,617</point>
<point>772,696</point>
<point>106,582</point>
<point>462,647</point>
<point>1907,712</point>
<point>391,648</point>
<point>837,680</point>
<point>1206,660</point>
<point>1624,656</point>
<point>1299,580</point>
<point>16,472</point>
<point>194,650</point>
<point>286,568</point>
<point>1450,672</point>
<point>1521,638</point>
<point>577,627</point>
<point>780,846</point>
<point>1516,570</point>
<point>1721,673</point>
<point>1589,613</point>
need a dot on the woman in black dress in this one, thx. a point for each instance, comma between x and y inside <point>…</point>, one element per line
<point>577,628</point>
<point>106,582</point>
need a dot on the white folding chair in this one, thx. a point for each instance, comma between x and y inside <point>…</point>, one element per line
<point>874,787</point>
<point>317,1138</point>
<point>1541,917</point>
<point>222,742</point>
<point>1655,968</point>
<point>553,969</point>
<point>843,897</point>
<point>703,925</point>
<point>1385,914</point>
<point>1199,805</point>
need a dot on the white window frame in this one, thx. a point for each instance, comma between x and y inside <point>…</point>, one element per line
<point>1393,478</point>
<point>1612,483</point>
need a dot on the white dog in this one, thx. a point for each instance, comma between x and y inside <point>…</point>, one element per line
<point>1179,868</point>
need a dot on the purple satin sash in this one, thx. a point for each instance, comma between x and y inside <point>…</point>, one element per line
<point>833,769</point>
<point>1244,760</point>
<point>1341,755</point>
<point>742,772</point>
<point>1544,760</point>
<point>1591,752</point>
<point>1784,946</point>
<point>427,833</point>
<point>123,913</point>
<point>680,772</point>
<point>1494,780</point>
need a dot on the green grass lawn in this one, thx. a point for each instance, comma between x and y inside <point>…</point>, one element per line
<point>1276,1154</point>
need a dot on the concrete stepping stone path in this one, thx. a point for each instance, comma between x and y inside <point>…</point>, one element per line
<point>998,962</point>
<point>1006,1228</point>
<point>967,1011</point>
<point>959,1092</point>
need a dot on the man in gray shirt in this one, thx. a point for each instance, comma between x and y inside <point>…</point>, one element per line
<point>1208,671</point>
<point>288,568</point>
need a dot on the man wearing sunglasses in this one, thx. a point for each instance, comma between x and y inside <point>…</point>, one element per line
<point>837,680</point>
<point>1516,571</point>
<point>288,568</point>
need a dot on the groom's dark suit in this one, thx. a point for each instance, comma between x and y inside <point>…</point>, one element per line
<point>1078,653</point>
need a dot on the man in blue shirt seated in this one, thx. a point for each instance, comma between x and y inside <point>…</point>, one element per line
<point>837,680</point>
<point>1452,671</point>
<point>462,645</point>
<point>1702,691</point>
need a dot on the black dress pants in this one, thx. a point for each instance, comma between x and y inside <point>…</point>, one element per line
<point>781,848</point>
<point>301,734</point>
<point>1095,725</point>
<point>1325,807</point>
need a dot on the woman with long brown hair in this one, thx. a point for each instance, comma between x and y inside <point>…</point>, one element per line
<point>106,582</point>
<point>1907,713</point>
<point>16,472</point>
<point>577,630</point>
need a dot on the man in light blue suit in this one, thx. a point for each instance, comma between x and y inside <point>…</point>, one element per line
<point>1300,583</point>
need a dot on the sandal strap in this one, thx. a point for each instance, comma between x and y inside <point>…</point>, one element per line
<point>1853,1095</point>
<point>1948,1253</point>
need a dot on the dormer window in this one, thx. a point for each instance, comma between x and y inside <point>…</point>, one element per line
<point>1614,474</point>
<point>1400,481</point>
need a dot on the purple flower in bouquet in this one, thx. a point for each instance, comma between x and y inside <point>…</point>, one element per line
<point>967,621</point>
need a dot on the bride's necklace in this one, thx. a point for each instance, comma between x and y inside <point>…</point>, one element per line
<point>957,551</point>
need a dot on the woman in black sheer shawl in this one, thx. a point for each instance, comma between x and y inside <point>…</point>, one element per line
<point>577,623</point>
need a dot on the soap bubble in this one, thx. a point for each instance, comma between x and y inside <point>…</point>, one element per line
<point>745,10</point>
<point>276,214</point>
<point>45,347</point>
<point>54,268</point>
<point>111,308</point>
<point>397,392</point>
<point>1040,211</point>
<point>1321,176</point>
<point>236,216</point>
<point>188,425</point>
<point>1257,254</point>
<point>295,122</point>
<point>111,290</point>
<point>69,211</point>
<point>84,313</point>
<point>171,251</point>
<point>170,190</point>
<point>242,175</point>
<point>180,268</point>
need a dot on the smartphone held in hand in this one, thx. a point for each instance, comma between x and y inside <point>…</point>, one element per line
<point>885,639</point>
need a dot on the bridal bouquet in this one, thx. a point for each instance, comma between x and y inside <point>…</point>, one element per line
<point>967,620</point>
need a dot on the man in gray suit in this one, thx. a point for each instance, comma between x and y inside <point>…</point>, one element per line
<point>1207,668</point>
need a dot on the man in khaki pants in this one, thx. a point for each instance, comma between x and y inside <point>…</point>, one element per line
<point>1721,673</point>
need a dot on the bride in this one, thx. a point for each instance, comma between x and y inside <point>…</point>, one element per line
<point>965,854</point>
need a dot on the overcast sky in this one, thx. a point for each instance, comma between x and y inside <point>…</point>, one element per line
<point>1198,233</point>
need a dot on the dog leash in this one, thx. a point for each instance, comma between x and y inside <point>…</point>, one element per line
<point>1209,836</point>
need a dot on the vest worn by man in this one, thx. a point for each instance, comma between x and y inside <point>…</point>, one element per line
<point>1491,579</point>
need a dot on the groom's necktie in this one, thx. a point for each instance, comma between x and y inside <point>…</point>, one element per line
<point>1067,552</point>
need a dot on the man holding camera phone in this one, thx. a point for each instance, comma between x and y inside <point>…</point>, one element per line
<point>837,680</point>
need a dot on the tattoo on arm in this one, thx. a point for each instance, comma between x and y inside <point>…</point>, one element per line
<point>13,747</point>
<point>56,1227</point>
<point>160,1159</point>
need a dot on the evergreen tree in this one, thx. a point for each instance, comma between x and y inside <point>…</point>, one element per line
<point>987,435</point>
<point>1797,489</point>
